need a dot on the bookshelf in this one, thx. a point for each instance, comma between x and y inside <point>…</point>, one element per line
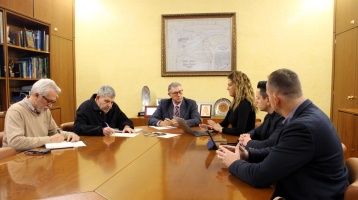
<point>24,55</point>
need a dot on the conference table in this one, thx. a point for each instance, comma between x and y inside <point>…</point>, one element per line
<point>140,167</point>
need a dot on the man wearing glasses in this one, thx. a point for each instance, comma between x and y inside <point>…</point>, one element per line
<point>29,123</point>
<point>176,106</point>
<point>100,115</point>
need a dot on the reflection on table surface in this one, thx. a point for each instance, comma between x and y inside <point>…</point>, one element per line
<point>127,168</point>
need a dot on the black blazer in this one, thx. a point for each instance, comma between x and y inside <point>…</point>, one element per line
<point>266,134</point>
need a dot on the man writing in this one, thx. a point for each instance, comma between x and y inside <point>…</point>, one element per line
<point>100,115</point>
<point>29,123</point>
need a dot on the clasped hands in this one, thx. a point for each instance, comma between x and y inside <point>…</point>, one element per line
<point>229,154</point>
<point>244,139</point>
<point>169,122</point>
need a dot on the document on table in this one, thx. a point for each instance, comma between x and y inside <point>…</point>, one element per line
<point>63,145</point>
<point>125,134</point>
<point>160,134</point>
<point>116,130</point>
<point>119,133</point>
<point>168,135</point>
<point>163,127</point>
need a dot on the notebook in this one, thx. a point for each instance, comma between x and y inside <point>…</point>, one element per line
<point>185,127</point>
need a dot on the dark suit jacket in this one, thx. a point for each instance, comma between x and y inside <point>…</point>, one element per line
<point>266,134</point>
<point>188,111</point>
<point>306,163</point>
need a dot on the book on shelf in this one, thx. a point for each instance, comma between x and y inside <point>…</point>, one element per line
<point>40,40</point>
<point>29,37</point>
<point>17,38</point>
<point>47,43</point>
<point>37,39</point>
<point>1,31</point>
<point>33,67</point>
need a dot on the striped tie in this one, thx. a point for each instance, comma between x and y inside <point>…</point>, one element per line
<point>176,111</point>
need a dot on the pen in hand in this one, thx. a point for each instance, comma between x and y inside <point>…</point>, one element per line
<point>60,135</point>
<point>112,131</point>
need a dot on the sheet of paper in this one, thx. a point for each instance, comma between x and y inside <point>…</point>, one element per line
<point>125,134</point>
<point>163,127</point>
<point>62,145</point>
<point>116,130</point>
<point>168,135</point>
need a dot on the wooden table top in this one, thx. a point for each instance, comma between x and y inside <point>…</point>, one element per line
<point>141,167</point>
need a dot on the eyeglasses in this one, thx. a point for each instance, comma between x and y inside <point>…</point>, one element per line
<point>49,101</point>
<point>177,93</point>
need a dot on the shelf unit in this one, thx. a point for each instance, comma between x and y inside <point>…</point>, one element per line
<point>11,84</point>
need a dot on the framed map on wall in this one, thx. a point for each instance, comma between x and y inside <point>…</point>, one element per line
<point>198,44</point>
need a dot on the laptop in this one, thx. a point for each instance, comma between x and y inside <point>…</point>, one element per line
<point>185,127</point>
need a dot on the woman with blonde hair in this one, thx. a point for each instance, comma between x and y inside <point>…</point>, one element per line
<point>242,113</point>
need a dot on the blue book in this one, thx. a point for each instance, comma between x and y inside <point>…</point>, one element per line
<point>38,38</point>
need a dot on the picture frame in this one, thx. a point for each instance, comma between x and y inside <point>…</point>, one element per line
<point>201,44</point>
<point>149,110</point>
<point>202,103</point>
<point>205,110</point>
<point>29,37</point>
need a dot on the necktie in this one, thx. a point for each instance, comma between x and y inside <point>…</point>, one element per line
<point>176,111</point>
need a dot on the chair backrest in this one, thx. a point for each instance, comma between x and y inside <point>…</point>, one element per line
<point>352,190</point>
<point>1,137</point>
<point>68,126</point>
<point>6,152</point>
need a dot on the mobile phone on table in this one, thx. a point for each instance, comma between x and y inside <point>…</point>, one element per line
<point>38,151</point>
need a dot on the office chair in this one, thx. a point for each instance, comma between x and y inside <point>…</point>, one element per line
<point>68,126</point>
<point>352,189</point>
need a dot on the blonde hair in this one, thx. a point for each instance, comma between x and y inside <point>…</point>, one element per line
<point>243,89</point>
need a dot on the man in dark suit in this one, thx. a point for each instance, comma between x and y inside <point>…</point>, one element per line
<point>176,106</point>
<point>266,134</point>
<point>307,160</point>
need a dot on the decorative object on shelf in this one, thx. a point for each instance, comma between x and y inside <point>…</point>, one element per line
<point>145,100</point>
<point>7,33</point>
<point>205,110</point>
<point>11,67</point>
<point>29,38</point>
<point>222,106</point>
<point>199,44</point>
